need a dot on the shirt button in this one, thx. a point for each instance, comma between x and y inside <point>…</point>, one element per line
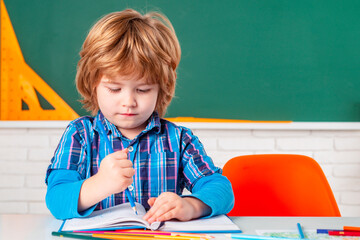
<point>131,148</point>
<point>131,187</point>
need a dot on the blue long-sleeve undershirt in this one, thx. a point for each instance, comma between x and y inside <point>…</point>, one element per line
<point>64,189</point>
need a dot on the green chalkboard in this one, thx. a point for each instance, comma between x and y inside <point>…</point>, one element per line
<point>243,59</point>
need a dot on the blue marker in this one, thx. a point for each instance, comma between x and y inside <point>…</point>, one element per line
<point>127,192</point>
<point>301,233</point>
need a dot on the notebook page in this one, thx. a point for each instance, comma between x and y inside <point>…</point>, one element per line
<point>119,215</point>
<point>213,224</point>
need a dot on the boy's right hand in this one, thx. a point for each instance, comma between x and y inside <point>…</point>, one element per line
<point>116,172</point>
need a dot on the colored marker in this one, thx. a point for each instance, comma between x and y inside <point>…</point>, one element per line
<point>351,228</point>
<point>73,235</point>
<point>344,233</point>
<point>301,233</point>
<point>326,231</point>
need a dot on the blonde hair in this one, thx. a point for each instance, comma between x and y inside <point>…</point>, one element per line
<point>129,43</point>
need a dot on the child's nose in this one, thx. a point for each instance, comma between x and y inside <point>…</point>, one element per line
<point>129,100</point>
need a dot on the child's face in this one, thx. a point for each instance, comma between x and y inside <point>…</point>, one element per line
<point>127,102</point>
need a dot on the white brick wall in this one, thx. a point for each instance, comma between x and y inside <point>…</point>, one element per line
<point>27,147</point>
<point>25,153</point>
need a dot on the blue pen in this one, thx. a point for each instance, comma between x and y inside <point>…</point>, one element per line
<point>127,192</point>
<point>301,233</point>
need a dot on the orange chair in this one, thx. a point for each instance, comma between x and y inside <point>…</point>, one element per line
<point>279,185</point>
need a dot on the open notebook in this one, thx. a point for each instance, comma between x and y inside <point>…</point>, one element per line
<point>122,216</point>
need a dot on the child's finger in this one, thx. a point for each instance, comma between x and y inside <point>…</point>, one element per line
<point>166,216</point>
<point>122,154</point>
<point>165,212</point>
<point>159,203</point>
<point>151,201</point>
<point>129,172</point>
<point>151,212</point>
<point>124,163</point>
<point>125,150</point>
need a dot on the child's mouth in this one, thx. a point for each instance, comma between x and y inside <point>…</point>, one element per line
<point>128,114</point>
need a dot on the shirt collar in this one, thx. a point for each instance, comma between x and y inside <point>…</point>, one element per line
<point>153,124</point>
<point>109,127</point>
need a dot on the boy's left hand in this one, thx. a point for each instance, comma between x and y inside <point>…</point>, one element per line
<point>170,205</point>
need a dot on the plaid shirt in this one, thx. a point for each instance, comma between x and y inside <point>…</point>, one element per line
<point>166,157</point>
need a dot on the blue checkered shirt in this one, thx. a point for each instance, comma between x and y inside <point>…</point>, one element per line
<point>166,157</point>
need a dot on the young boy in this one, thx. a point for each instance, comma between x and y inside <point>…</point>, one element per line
<point>126,76</point>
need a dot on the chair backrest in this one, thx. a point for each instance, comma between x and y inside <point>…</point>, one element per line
<point>279,185</point>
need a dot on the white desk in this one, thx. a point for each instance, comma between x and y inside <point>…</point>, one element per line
<point>39,227</point>
<point>250,224</point>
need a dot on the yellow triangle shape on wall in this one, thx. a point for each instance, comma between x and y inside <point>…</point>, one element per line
<point>18,83</point>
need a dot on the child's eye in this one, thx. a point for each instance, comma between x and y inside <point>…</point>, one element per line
<point>143,90</point>
<point>114,90</point>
